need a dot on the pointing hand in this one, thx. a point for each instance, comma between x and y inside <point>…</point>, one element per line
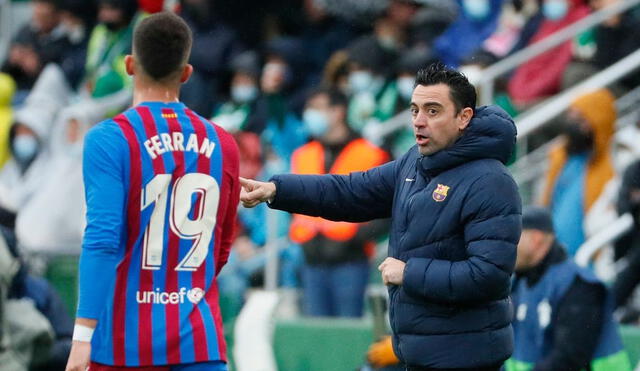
<point>254,192</point>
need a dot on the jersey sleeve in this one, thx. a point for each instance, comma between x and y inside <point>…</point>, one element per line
<point>231,173</point>
<point>105,191</point>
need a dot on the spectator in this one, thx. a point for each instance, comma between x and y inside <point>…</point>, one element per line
<point>629,202</point>
<point>53,219</point>
<point>7,88</point>
<point>541,76</point>
<point>320,34</point>
<point>109,43</point>
<point>563,313</point>
<point>23,174</point>
<point>614,39</point>
<point>514,18</point>
<point>237,115</point>
<point>41,41</point>
<point>476,21</point>
<point>371,96</point>
<point>78,19</point>
<point>581,166</point>
<point>214,45</point>
<point>336,72</point>
<point>336,269</point>
<point>280,130</point>
<point>40,335</point>
<point>392,29</point>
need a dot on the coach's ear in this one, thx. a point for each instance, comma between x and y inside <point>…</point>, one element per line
<point>129,64</point>
<point>186,73</point>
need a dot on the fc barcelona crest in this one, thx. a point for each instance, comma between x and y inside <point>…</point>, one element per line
<point>440,193</point>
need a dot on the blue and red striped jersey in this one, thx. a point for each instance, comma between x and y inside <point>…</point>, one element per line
<point>162,189</point>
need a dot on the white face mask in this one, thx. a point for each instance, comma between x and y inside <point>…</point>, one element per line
<point>25,147</point>
<point>476,9</point>
<point>243,93</point>
<point>75,34</point>
<point>360,81</point>
<point>405,87</point>
<point>316,122</point>
<point>555,9</point>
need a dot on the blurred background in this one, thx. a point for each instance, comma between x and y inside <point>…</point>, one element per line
<point>298,294</point>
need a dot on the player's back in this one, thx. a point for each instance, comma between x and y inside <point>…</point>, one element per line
<point>180,178</point>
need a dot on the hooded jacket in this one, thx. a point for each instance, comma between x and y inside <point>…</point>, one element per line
<point>598,108</point>
<point>455,223</point>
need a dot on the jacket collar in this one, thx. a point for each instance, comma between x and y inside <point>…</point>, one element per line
<point>491,134</point>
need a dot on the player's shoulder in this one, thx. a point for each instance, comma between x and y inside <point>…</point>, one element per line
<point>227,141</point>
<point>106,131</point>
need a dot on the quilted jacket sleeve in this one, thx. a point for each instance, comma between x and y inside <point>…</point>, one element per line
<point>357,197</point>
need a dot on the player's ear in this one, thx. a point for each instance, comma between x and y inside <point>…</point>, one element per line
<point>186,73</point>
<point>129,64</point>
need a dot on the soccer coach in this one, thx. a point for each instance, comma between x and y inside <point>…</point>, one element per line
<point>456,222</point>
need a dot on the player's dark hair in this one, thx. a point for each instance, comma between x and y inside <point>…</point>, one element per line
<point>463,94</point>
<point>336,97</point>
<point>161,45</point>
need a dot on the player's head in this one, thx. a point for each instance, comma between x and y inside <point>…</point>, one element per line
<point>442,105</point>
<point>161,48</point>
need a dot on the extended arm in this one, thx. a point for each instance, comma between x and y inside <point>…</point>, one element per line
<point>357,197</point>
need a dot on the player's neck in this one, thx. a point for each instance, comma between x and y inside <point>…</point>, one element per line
<point>150,92</point>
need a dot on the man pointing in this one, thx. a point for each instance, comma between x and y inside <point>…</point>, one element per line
<point>456,222</point>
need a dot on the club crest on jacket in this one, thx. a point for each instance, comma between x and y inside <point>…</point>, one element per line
<point>440,193</point>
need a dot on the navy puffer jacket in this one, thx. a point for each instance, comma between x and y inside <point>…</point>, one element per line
<point>455,222</point>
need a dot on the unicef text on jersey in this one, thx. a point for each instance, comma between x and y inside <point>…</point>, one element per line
<point>160,297</point>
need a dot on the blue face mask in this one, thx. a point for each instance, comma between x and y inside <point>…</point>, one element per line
<point>243,93</point>
<point>476,9</point>
<point>316,122</point>
<point>555,9</point>
<point>25,147</point>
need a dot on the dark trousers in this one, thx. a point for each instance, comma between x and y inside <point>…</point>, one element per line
<point>334,290</point>
<point>489,368</point>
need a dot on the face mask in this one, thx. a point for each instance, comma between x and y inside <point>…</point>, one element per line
<point>555,9</point>
<point>578,141</point>
<point>316,122</point>
<point>75,34</point>
<point>376,84</point>
<point>388,42</point>
<point>360,81</point>
<point>243,93</point>
<point>25,147</point>
<point>476,9</point>
<point>405,87</point>
<point>75,149</point>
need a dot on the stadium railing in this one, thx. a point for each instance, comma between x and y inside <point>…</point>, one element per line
<point>5,27</point>
<point>490,74</point>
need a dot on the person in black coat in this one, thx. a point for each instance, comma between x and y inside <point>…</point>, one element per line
<point>456,222</point>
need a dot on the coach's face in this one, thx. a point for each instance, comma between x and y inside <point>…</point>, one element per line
<point>436,122</point>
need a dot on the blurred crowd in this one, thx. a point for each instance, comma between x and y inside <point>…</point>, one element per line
<point>305,86</point>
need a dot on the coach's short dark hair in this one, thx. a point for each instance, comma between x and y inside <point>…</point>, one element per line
<point>162,44</point>
<point>463,93</point>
